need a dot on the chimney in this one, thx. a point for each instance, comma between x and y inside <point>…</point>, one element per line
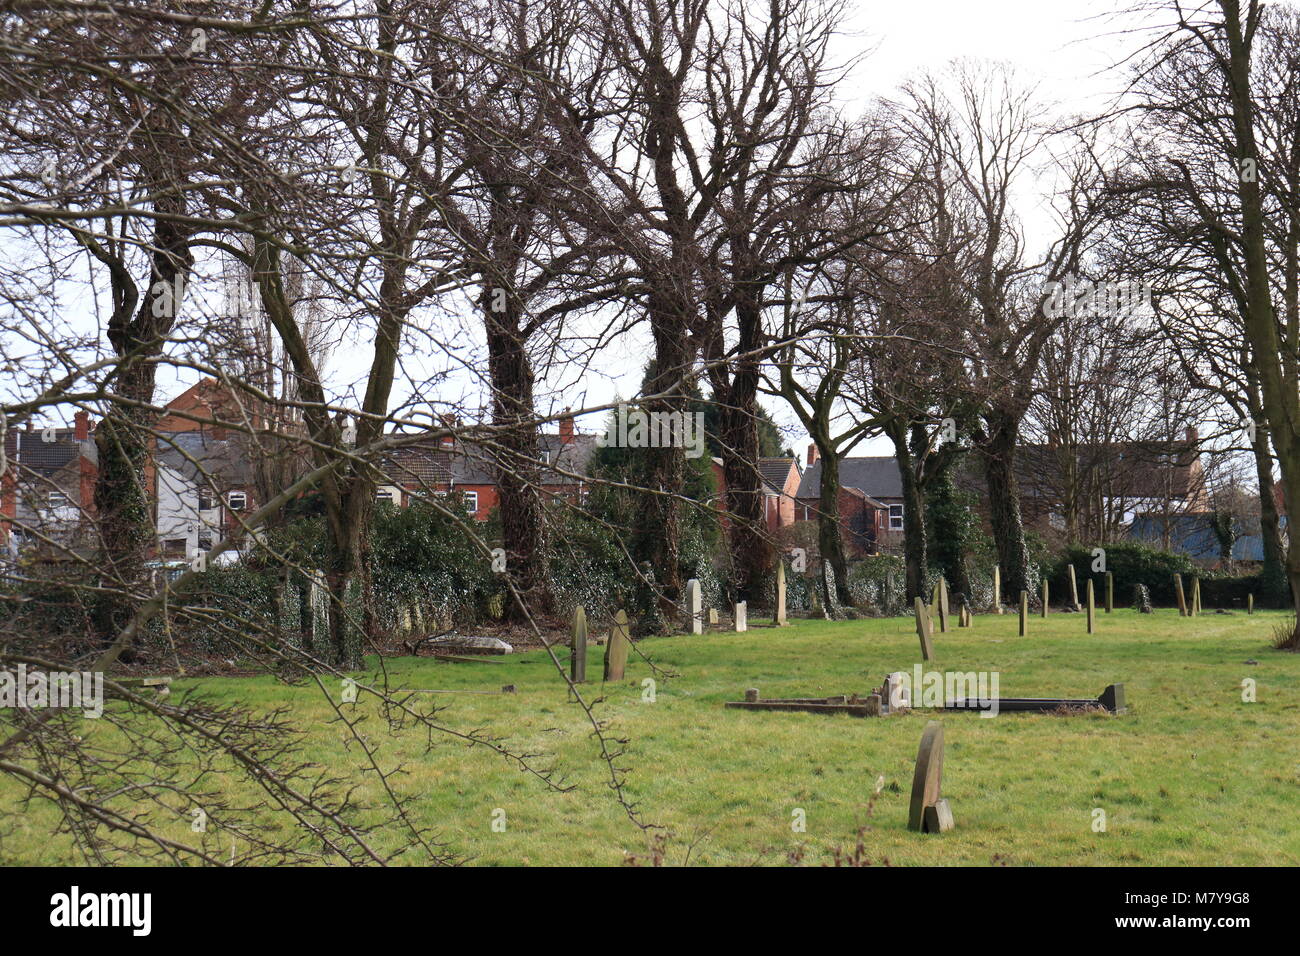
<point>1192,435</point>
<point>81,427</point>
<point>448,441</point>
<point>566,430</point>
<point>812,454</point>
<point>87,472</point>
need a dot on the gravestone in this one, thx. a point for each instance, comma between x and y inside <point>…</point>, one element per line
<point>742,617</point>
<point>1142,599</point>
<point>997,589</point>
<point>1250,603</point>
<point>694,606</point>
<point>1092,609</point>
<point>578,659</point>
<point>780,595</point>
<point>923,629</point>
<point>1024,613</point>
<point>942,591</point>
<point>1110,591</point>
<point>1046,593</point>
<point>1178,593</point>
<point>894,693</point>
<point>927,784</point>
<point>1196,596</point>
<point>1074,587</point>
<point>616,649</point>
<point>713,617</point>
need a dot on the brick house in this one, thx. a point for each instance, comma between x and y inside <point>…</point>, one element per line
<point>48,487</point>
<point>870,501</point>
<point>446,466</point>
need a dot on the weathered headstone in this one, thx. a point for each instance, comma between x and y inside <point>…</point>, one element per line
<point>1110,591</point>
<point>1250,603</point>
<point>1142,599</point>
<point>1092,609</point>
<point>942,591</point>
<point>713,617</point>
<point>923,629</point>
<point>997,589</point>
<point>617,647</point>
<point>894,693</point>
<point>1024,613</point>
<point>694,606</point>
<point>1074,587</point>
<point>1178,593</point>
<point>578,659</point>
<point>742,617</point>
<point>927,782</point>
<point>781,620</point>
<point>1196,596</point>
<point>1046,594</point>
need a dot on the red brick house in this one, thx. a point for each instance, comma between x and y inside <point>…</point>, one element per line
<point>48,487</point>
<point>446,466</point>
<point>870,501</point>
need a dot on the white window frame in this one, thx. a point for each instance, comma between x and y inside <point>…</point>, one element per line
<point>471,501</point>
<point>243,500</point>
<point>895,518</point>
<point>385,494</point>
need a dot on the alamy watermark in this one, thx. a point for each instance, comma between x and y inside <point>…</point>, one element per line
<point>1078,298</point>
<point>634,428</point>
<point>67,690</point>
<point>976,690</point>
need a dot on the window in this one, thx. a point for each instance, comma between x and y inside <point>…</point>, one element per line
<point>895,517</point>
<point>386,494</point>
<point>546,458</point>
<point>236,501</point>
<point>174,548</point>
<point>56,499</point>
<point>471,501</point>
<point>207,501</point>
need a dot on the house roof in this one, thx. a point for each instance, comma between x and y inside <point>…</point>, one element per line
<point>774,471</point>
<point>202,458</point>
<point>1137,469</point>
<point>875,476</point>
<point>1193,534</point>
<point>32,454</point>
<point>473,463</point>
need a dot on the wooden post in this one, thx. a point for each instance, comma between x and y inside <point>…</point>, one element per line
<point>1178,593</point>
<point>1074,587</point>
<point>923,629</point>
<point>1110,591</point>
<point>1046,592</point>
<point>1250,603</point>
<point>997,589</point>
<point>1092,609</point>
<point>1024,613</point>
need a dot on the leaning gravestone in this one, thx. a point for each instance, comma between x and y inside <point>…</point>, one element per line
<point>713,617</point>
<point>929,812</point>
<point>923,628</point>
<point>616,649</point>
<point>578,660</point>
<point>1074,588</point>
<point>780,595</point>
<point>742,617</point>
<point>694,606</point>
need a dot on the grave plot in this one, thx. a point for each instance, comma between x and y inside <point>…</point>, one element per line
<point>890,698</point>
<point>1111,700</point>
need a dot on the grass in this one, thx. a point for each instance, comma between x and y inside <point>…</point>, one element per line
<point>1192,775</point>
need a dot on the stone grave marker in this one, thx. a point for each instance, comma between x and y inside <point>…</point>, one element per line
<point>1178,593</point>
<point>1092,609</point>
<point>616,649</point>
<point>997,589</point>
<point>781,620</point>
<point>578,660</point>
<point>923,629</point>
<point>1024,613</point>
<point>1142,599</point>
<point>694,606</point>
<point>1250,603</point>
<point>942,592</point>
<point>713,617</point>
<point>1046,593</point>
<point>1074,587</point>
<point>1196,596</point>
<point>742,617</point>
<point>925,815</point>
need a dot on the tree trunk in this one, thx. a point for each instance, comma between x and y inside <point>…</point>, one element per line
<point>915,557</point>
<point>666,476</point>
<point>830,542</point>
<point>523,529</point>
<point>1273,581</point>
<point>998,455</point>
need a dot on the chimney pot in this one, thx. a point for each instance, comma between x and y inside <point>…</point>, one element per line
<point>812,454</point>
<point>81,428</point>
<point>566,430</point>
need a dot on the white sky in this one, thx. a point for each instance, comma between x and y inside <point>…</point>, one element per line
<point>1060,45</point>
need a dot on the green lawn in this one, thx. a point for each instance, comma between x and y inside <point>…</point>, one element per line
<point>1191,775</point>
